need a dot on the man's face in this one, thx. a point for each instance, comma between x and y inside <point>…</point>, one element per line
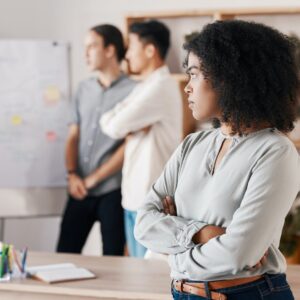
<point>95,52</point>
<point>137,54</point>
<point>202,98</point>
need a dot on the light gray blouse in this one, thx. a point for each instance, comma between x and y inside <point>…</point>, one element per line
<point>250,193</point>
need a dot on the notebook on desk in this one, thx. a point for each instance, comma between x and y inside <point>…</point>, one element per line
<point>59,273</point>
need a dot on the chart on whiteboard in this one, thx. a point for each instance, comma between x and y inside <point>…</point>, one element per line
<point>34,100</point>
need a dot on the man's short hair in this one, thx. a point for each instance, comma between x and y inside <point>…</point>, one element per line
<point>153,32</point>
<point>111,36</point>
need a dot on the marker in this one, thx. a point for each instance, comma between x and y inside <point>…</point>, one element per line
<point>24,259</point>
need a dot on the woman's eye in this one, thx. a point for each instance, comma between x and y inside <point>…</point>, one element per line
<point>192,75</point>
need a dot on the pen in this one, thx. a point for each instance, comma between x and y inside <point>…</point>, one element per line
<point>24,259</point>
<point>16,259</point>
<point>10,259</point>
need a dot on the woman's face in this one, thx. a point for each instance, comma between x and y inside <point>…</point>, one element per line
<point>202,98</point>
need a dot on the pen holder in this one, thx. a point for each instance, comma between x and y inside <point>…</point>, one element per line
<point>12,263</point>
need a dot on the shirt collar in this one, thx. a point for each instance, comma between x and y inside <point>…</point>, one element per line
<point>158,73</point>
<point>237,137</point>
<point>116,81</point>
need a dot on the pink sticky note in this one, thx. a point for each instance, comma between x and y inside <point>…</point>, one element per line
<point>51,136</point>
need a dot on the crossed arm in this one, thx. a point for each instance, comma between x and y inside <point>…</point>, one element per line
<point>196,246</point>
<point>206,233</point>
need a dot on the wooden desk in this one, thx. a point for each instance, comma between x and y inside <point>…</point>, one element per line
<point>117,278</point>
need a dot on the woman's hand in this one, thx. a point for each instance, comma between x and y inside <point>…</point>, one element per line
<point>169,206</point>
<point>202,236</point>
<point>208,232</point>
<point>262,261</point>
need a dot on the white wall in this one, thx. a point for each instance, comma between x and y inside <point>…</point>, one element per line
<point>68,20</point>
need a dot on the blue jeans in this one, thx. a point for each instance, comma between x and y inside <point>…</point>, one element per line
<point>135,249</point>
<point>271,287</point>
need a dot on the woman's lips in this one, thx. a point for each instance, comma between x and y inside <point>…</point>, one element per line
<point>191,104</point>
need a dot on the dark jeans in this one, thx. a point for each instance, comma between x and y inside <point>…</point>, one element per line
<point>271,287</point>
<point>79,217</point>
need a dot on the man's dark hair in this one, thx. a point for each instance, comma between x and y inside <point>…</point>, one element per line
<point>153,32</point>
<point>253,71</point>
<point>111,36</point>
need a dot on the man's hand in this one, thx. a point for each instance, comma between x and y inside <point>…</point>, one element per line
<point>169,206</point>
<point>76,187</point>
<point>146,129</point>
<point>90,181</point>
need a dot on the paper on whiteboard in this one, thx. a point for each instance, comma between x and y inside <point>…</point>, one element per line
<point>34,95</point>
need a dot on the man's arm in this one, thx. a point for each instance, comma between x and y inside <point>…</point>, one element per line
<point>110,167</point>
<point>133,114</point>
<point>75,183</point>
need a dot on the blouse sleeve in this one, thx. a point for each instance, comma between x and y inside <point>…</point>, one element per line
<point>160,232</point>
<point>271,190</point>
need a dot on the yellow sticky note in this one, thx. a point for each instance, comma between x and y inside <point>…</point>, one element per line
<point>16,120</point>
<point>52,94</point>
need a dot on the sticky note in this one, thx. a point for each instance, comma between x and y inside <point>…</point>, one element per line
<point>52,94</point>
<point>51,136</point>
<point>16,120</point>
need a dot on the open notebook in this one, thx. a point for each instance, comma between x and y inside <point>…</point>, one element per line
<point>59,273</point>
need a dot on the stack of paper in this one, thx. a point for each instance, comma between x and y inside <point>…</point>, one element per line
<point>59,273</point>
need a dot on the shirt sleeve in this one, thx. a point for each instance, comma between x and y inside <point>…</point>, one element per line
<point>137,111</point>
<point>271,190</point>
<point>160,232</point>
<point>74,116</point>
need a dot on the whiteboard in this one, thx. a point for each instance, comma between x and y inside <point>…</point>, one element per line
<point>34,97</point>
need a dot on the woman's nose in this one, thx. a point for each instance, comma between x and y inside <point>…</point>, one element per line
<point>187,88</point>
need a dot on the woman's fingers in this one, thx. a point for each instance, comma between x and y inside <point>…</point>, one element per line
<point>262,261</point>
<point>166,206</point>
<point>169,206</point>
<point>172,207</point>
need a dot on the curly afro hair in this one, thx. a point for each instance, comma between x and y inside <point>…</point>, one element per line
<point>253,71</point>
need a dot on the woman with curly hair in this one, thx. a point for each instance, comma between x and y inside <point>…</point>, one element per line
<point>219,207</point>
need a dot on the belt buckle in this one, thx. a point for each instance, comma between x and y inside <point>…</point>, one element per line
<point>179,283</point>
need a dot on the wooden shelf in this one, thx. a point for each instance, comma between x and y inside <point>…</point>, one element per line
<point>216,14</point>
<point>189,124</point>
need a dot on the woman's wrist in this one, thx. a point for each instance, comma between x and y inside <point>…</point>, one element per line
<point>207,233</point>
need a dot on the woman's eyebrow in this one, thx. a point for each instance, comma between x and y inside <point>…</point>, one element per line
<point>189,69</point>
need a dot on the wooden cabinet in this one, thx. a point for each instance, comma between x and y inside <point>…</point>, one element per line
<point>189,124</point>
